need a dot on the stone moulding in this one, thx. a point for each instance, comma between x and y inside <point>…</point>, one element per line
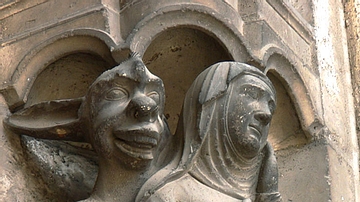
<point>273,35</point>
<point>225,30</point>
<point>210,18</point>
<point>310,120</point>
<point>294,19</point>
<point>7,3</point>
<point>37,29</point>
<point>88,41</point>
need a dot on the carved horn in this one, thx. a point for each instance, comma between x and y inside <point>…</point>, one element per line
<point>55,120</point>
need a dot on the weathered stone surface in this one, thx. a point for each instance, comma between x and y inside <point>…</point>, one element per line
<point>178,51</point>
<point>302,44</point>
<point>223,150</point>
<point>310,161</point>
<point>121,115</point>
<point>19,182</point>
<point>68,171</point>
<point>352,28</point>
<point>337,96</point>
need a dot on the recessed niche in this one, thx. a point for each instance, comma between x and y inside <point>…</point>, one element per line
<point>285,129</point>
<point>67,77</point>
<point>177,56</point>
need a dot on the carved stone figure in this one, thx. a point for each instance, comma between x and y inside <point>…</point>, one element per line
<point>224,155</point>
<point>121,116</point>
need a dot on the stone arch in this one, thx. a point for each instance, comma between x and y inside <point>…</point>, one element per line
<point>91,42</point>
<point>66,78</point>
<point>62,67</point>
<point>205,18</point>
<point>282,68</point>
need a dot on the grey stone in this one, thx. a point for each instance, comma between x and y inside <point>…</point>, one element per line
<point>225,155</point>
<point>121,116</point>
<point>53,50</point>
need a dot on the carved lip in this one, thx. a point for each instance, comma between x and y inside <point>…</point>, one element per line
<point>256,129</point>
<point>137,143</point>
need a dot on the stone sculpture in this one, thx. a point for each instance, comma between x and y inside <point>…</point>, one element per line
<point>224,155</point>
<point>219,152</point>
<point>121,116</point>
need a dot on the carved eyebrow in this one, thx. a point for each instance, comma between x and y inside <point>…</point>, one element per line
<point>146,83</point>
<point>252,87</point>
<point>124,78</point>
<point>154,82</point>
<point>145,79</point>
<point>156,85</point>
<point>259,88</point>
<point>262,91</point>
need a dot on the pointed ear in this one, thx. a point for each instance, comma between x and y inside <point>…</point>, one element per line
<point>55,120</point>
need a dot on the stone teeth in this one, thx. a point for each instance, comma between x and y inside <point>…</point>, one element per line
<point>145,139</point>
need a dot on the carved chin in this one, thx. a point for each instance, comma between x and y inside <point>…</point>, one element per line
<point>134,150</point>
<point>249,146</point>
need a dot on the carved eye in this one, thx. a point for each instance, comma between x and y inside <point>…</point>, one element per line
<point>155,96</point>
<point>272,106</point>
<point>116,94</point>
<point>253,93</point>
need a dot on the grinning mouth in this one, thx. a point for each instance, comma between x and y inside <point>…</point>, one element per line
<point>137,143</point>
<point>256,129</point>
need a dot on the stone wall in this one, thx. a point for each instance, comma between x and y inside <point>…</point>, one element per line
<point>353,30</point>
<point>54,49</point>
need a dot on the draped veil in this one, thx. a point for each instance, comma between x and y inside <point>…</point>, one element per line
<point>203,148</point>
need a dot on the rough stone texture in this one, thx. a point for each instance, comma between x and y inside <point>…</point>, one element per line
<point>67,170</point>
<point>338,107</point>
<point>177,52</point>
<point>224,126</point>
<point>19,182</point>
<point>301,43</point>
<point>78,70</point>
<point>297,162</point>
<point>352,24</point>
<point>285,130</point>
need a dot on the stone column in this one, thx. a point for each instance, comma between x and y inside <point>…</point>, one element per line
<point>337,101</point>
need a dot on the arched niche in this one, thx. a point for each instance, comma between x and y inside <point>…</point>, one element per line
<point>177,56</point>
<point>61,68</point>
<point>285,129</point>
<point>279,66</point>
<point>207,17</point>
<point>195,36</point>
<point>91,42</point>
<point>67,77</point>
<point>295,124</point>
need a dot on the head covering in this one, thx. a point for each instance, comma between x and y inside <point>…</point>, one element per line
<point>205,155</point>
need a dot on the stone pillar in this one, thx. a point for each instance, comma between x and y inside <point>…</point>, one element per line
<point>352,9</point>
<point>337,99</point>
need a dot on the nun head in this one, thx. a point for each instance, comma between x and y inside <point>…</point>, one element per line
<point>249,101</point>
<point>249,109</point>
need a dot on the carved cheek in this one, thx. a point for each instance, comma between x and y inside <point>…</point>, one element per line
<point>109,110</point>
<point>237,125</point>
<point>237,116</point>
<point>264,136</point>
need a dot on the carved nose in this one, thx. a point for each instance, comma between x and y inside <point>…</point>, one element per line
<point>263,117</point>
<point>143,108</point>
